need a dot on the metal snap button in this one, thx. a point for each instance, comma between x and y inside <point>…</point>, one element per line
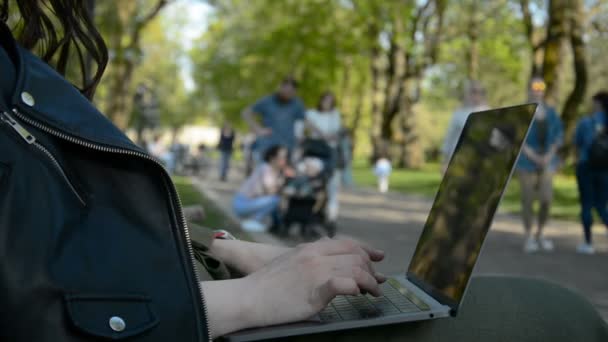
<point>117,324</point>
<point>27,98</point>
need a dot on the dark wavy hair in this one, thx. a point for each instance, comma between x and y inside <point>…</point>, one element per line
<point>59,31</point>
<point>272,152</point>
<point>602,98</point>
<point>323,97</point>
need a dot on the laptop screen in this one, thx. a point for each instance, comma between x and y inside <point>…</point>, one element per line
<point>467,199</point>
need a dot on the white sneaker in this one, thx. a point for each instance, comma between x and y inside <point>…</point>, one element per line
<point>546,244</point>
<point>253,226</point>
<point>531,245</point>
<point>585,248</point>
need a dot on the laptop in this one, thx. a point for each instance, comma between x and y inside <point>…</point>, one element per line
<point>438,274</point>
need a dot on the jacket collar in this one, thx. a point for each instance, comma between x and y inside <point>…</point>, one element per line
<point>45,96</point>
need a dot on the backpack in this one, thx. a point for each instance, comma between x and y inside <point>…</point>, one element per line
<point>598,153</point>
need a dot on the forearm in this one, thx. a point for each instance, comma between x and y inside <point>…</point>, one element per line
<point>229,305</point>
<point>245,257</point>
<point>553,150</point>
<point>247,115</point>
<point>529,152</point>
<point>314,129</point>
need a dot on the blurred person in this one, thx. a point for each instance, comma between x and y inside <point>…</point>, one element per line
<point>346,152</point>
<point>382,170</point>
<point>73,260</point>
<point>474,100</point>
<point>200,161</point>
<point>162,152</point>
<point>247,146</point>
<point>225,146</point>
<point>592,179</point>
<point>258,197</point>
<point>536,166</point>
<point>325,124</point>
<point>281,117</point>
<point>155,146</point>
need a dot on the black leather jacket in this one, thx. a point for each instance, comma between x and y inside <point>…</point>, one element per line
<point>93,242</point>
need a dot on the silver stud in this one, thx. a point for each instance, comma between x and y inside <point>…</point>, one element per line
<point>27,98</point>
<point>117,324</point>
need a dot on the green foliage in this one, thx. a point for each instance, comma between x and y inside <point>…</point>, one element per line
<point>251,46</point>
<point>157,57</point>
<point>214,216</point>
<point>426,181</point>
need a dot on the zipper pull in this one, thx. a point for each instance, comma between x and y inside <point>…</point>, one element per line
<point>24,133</point>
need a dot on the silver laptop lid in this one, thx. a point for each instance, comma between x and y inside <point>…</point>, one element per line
<point>466,201</point>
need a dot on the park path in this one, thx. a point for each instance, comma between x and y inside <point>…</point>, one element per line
<point>393,222</point>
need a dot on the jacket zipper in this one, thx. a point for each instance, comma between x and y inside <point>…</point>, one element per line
<point>173,195</point>
<point>31,140</point>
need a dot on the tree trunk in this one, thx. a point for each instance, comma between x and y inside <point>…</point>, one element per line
<point>376,114</point>
<point>126,50</point>
<point>536,48</point>
<point>556,33</point>
<point>410,152</point>
<point>358,111</point>
<point>119,109</point>
<point>473,52</point>
<point>88,62</point>
<point>570,111</point>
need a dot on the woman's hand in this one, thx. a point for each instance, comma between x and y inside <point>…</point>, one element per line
<point>245,257</point>
<point>294,286</point>
<point>300,283</point>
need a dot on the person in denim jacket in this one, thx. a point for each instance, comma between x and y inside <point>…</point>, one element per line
<point>537,165</point>
<point>592,183</point>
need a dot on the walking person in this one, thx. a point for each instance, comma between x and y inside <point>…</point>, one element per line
<point>537,165</point>
<point>281,118</point>
<point>591,175</point>
<point>325,124</point>
<point>474,100</point>
<point>382,170</point>
<point>226,146</point>
<point>258,198</point>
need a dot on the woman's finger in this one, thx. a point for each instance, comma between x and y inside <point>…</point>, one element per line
<point>336,286</point>
<point>366,282</point>
<point>348,246</point>
<point>343,264</point>
<point>363,276</point>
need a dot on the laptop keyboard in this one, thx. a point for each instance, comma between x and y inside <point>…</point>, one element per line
<point>396,300</point>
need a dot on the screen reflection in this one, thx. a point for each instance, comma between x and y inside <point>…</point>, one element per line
<point>467,198</point>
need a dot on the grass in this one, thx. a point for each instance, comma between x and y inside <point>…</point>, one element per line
<point>214,217</point>
<point>425,182</point>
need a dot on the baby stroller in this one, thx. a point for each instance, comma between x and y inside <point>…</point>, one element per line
<point>305,195</point>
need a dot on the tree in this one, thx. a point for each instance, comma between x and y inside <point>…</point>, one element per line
<point>122,23</point>
<point>570,112</point>
<point>557,31</point>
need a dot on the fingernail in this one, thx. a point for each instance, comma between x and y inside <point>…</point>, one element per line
<point>380,275</point>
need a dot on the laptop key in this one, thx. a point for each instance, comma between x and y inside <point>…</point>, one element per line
<point>349,314</point>
<point>329,314</point>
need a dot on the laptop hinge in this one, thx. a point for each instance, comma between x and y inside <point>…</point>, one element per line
<point>432,292</point>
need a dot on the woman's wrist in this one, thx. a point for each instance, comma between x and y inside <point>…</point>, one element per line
<point>243,256</point>
<point>230,306</point>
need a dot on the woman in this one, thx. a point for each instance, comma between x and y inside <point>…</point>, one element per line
<point>258,197</point>
<point>225,147</point>
<point>324,123</point>
<point>592,182</point>
<point>93,240</point>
